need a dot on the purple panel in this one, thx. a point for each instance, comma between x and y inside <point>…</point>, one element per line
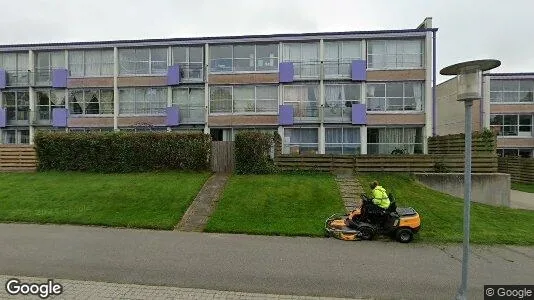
<point>3,78</point>
<point>173,75</point>
<point>359,70</point>
<point>285,117</point>
<point>59,117</point>
<point>359,114</point>
<point>3,117</point>
<point>59,78</point>
<point>286,72</point>
<point>173,116</point>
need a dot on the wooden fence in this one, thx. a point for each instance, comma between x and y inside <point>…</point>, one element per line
<point>455,144</point>
<point>222,157</point>
<point>15,158</point>
<point>521,169</point>
<point>481,163</point>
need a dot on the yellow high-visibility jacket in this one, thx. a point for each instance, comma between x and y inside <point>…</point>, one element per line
<point>380,197</point>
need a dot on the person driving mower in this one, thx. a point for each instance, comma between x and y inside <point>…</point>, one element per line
<point>380,196</point>
<point>375,207</point>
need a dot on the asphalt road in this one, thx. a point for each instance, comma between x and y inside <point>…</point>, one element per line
<point>277,265</point>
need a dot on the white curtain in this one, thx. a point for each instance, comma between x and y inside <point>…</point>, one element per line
<point>106,101</point>
<point>389,139</point>
<point>107,63</point>
<point>377,51</point>
<point>92,62</point>
<point>76,64</point>
<point>351,50</point>
<point>409,139</point>
<point>127,101</point>
<point>418,95</point>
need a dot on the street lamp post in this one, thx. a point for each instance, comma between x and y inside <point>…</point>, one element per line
<point>469,88</point>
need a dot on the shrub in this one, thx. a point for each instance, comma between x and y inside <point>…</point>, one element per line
<point>252,153</point>
<point>122,152</point>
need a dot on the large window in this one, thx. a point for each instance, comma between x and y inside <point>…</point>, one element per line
<point>190,101</point>
<point>338,57</point>
<point>395,96</point>
<point>339,99</point>
<point>511,91</point>
<point>47,100</point>
<point>91,63</point>
<point>342,140</point>
<point>394,140</point>
<point>244,99</point>
<point>512,125</point>
<point>521,152</point>
<point>395,54</point>
<point>300,140</point>
<point>243,58</point>
<point>91,101</point>
<point>305,58</point>
<point>143,61</point>
<point>304,99</point>
<point>16,136</point>
<point>16,66</point>
<point>17,104</point>
<point>151,101</point>
<point>46,61</point>
<point>190,60</point>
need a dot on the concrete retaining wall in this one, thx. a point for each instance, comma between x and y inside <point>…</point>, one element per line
<point>487,188</point>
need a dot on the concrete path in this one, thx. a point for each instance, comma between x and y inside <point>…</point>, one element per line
<point>197,215</point>
<point>77,289</point>
<point>521,200</point>
<point>350,189</point>
<point>256,264</point>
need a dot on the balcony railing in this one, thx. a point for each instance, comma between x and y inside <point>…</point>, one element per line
<point>338,111</point>
<point>337,69</point>
<point>192,72</point>
<point>304,112</point>
<point>16,78</point>
<point>192,114</point>
<point>306,69</point>
<point>42,77</point>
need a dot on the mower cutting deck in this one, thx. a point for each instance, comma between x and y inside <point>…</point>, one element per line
<point>365,223</point>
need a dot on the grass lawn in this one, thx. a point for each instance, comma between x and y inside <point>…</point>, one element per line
<point>524,187</point>
<point>146,200</point>
<point>442,215</point>
<point>278,204</point>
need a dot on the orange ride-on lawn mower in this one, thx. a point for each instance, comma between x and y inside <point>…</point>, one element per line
<point>368,221</point>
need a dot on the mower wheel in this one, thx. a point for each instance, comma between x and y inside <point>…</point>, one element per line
<point>404,235</point>
<point>366,232</point>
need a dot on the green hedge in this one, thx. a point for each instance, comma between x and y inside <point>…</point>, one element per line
<point>252,153</point>
<point>122,152</point>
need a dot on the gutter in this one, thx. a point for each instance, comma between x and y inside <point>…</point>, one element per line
<point>434,82</point>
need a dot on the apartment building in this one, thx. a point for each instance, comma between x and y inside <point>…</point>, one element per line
<point>361,92</point>
<point>507,108</point>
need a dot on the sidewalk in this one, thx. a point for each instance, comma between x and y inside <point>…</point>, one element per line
<point>521,200</point>
<point>74,289</point>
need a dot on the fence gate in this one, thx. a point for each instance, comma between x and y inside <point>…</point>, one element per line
<point>222,157</point>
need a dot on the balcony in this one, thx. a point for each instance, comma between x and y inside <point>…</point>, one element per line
<point>17,78</point>
<point>338,111</point>
<point>192,72</point>
<point>304,112</point>
<point>192,114</point>
<point>337,69</point>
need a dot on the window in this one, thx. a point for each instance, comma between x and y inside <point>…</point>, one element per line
<point>305,58</point>
<point>142,100</point>
<point>16,66</point>
<point>521,152</point>
<point>16,136</point>
<point>143,61</point>
<point>394,140</point>
<point>511,91</point>
<point>300,140</point>
<point>395,54</point>
<point>303,98</point>
<point>91,101</point>
<point>244,99</point>
<point>190,60</point>
<point>47,100</point>
<point>338,57</point>
<point>342,140</point>
<point>395,96</point>
<point>243,58</point>
<point>46,61</point>
<point>339,99</point>
<point>91,63</point>
<point>512,125</point>
<point>190,101</point>
<point>17,104</point>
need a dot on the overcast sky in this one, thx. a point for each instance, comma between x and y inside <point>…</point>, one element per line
<point>468,29</point>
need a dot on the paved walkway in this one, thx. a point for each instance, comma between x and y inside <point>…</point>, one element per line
<point>76,289</point>
<point>197,215</point>
<point>350,189</point>
<point>521,200</point>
